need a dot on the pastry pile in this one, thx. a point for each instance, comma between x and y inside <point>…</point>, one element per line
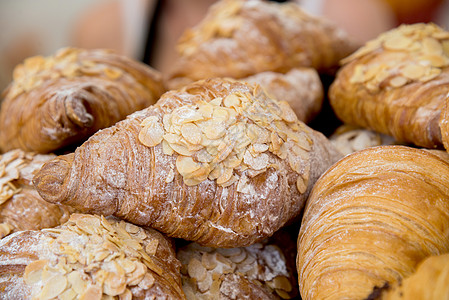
<point>211,181</point>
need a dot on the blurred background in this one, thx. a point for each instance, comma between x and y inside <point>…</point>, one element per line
<point>147,30</point>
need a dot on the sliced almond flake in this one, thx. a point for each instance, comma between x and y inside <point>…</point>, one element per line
<point>445,46</point>
<point>68,294</point>
<point>431,46</point>
<point>191,181</point>
<point>206,110</point>
<point>126,295</point>
<point>397,42</point>
<point>301,185</point>
<point>196,269</point>
<point>136,276</point>
<point>105,223</point>
<point>204,286</point>
<point>209,260</point>
<point>170,176</point>
<point>220,114</point>
<point>151,247</point>
<point>93,292</point>
<point>166,148</point>
<point>182,150</point>
<point>53,287</point>
<point>231,101</point>
<point>231,181</point>
<point>216,102</point>
<point>78,282</point>
<point>288,114</point>
<point>185,114</point>
<point>191,133</point>
<point>151,134</point>
<point>434,72</point>
<point>33,271</point>
<point>437,61</point>
<point>398,81</point>
<point>147,282</point>
<point>358,76</point>
<point>203,156</point>
<point>186,165</point>
<point>413,71</point>
<point>115,284</point>
<point>215,131</point>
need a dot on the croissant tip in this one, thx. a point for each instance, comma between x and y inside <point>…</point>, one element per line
<point>51,179</point>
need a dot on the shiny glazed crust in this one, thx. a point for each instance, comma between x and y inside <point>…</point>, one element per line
<point>370,219</point>
<point>241,38</point>
<point>63,99</point>
<point>249,174</point>
<point>397,84</point>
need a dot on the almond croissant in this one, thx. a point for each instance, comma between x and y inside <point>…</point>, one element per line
<point>259,271</point>
<point>370,219</point>
<point>217,162</point>
<point>397,84</point>
<point>60,100</point>
<point>89,257</point>
<point>21,207</point>
<point>239,38</point>
<point>301,88</point>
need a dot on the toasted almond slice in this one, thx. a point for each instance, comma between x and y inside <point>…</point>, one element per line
<point>397,42</point>
<point>196,269</point>
<point>33,271</point>
<point>398,81</point>
<point>136,276</point>
<point>151,247</point>
<point>209,260</point>
<point>68,294</point>
<point>147,282</point>
<point>301,185</point>
<point>79,284</point>
<point>413,71</point>
<point>231,100</point>
<point>152,134</point>
<point>191,133</point>
<point>186,165</point>
<point>126,295</point>
<point>282,283</point>
<point>93,292</point>
<point>432,46</point>
<point>53,287</point>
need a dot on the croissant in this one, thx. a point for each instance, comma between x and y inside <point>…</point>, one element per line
<point>240,38</point>
<point>21,207</point>
<point>217,162</point>
<point>89,257</point>
<point>397,84</point>
<point>61,100</point>
<point>301,88</point>
<point>429,282</point>
<point>348,139</point>
<point>370,219</point>
<point>259,271</point>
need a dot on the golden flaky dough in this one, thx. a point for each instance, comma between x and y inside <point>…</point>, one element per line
<point>59,100</point>
<point>301,88</point>
<point>370,219</point>
<point>241,38</point>
<point>429,282</point>
<point>217,162</point>
<point>397,84</point>
<point>89,257</point>
<point>21,207</point>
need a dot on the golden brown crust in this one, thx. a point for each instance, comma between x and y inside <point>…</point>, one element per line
<point>259,271</point>
<point>248,175</point>
<point>242,38</point>
<point>21,207</point>
<point>397,84</point>
<point>427,283</point>
<point>63,99</point>
<point>370,219</point>
<point>89,255</point>
<point>301,88</point>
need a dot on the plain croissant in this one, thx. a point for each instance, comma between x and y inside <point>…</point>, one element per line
<point>429,282</point>
<point>217,162</point>
<point>89,257</point>
<point>370,219</point>
<point>61,100</point>
<point>241,38</point>
<point>21,207</point>
<point>398,84</point>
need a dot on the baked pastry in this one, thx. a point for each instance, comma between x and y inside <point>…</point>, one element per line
<point>370,219</point>
<point>429,282</point>
<point>301,88</point>
<point>397,84</point>
<point>217,162</point>
<point>21,207</point>
<point>60,100</point>
<point>89,257</point>
<point>259,271</point>
<point>348,139</point>
<point>239,38</point>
